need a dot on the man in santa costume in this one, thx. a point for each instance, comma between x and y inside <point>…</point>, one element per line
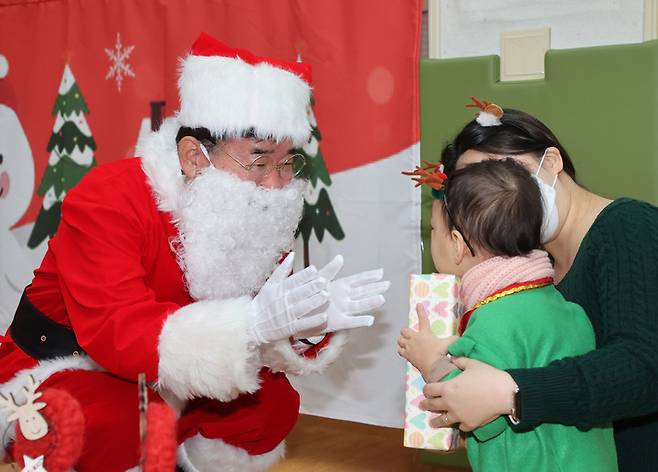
<point>167,265</point>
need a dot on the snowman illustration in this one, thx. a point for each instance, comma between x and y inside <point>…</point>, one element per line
<point>16,188</point>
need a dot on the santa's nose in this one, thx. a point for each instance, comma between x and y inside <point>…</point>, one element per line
<point>273,180</point>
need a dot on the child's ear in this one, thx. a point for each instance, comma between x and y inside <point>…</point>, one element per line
<point>459,248</point>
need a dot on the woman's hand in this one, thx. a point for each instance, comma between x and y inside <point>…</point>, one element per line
<point>422,348</point>
<point>475,397</point>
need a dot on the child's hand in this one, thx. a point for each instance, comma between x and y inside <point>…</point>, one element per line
<point>422,348</point>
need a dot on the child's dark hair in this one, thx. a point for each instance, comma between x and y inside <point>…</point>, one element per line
<point>496,204</point>
<point>519,133</point>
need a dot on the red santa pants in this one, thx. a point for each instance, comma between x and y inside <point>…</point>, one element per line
<point>256,423</point>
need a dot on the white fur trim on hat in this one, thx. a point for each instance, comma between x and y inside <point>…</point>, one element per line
<point>205,351</point>
<point>282,357</point>
<point>199,454</point>
<point>229,96</point>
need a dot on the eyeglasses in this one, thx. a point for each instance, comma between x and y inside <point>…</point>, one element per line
<point>291,167</point>
<point>452,221</point>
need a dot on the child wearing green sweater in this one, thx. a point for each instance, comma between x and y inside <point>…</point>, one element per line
<point>486,228</point>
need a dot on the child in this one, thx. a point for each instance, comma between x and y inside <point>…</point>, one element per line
<point>486,229</point>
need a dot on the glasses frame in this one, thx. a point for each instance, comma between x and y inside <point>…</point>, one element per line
<point>278,166</point>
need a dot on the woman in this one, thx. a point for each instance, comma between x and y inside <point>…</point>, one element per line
<point>606,260</point>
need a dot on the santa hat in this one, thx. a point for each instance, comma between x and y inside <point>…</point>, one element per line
<point>232,91</point>
<point>7,95</point>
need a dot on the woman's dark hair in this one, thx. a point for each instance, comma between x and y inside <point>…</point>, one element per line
<point>496,204</point>
<point>519,133</point>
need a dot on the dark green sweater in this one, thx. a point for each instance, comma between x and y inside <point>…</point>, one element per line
<point>615,279</point>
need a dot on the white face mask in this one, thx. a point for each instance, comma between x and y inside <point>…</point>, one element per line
<point>551,217</point>
<point>204,151</point>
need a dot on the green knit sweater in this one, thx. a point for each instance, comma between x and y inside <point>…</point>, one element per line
<point>529,329</point>
<point>615,279</point>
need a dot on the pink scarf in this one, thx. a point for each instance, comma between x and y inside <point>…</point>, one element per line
<point>499,272</point>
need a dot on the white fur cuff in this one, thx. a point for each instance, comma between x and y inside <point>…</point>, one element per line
<point>199,454</point>
<point>205,351</point>
<point>281,356</point>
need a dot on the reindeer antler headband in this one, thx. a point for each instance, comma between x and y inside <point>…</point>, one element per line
<point>431,175</point>
<point>490,114</point>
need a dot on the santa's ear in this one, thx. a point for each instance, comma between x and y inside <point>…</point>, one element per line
<point>191,157</point>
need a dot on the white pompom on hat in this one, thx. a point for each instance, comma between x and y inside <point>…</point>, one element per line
<point>232,91</point>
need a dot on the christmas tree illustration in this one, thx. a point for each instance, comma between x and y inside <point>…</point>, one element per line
<point>71,149</point>
<point>320,216</point>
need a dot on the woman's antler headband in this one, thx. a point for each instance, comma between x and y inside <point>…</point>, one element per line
<point>490,114</point>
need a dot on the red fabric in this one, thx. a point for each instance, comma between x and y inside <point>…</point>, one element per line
<point>109,272</point>
<point>159,453</point>
<point>255,422</point>
<point>364,61</point>
<point>206,45</point>
<point>62,446</point>
<point>110,407</point>
<point>12,360</point>
<point>313,351</point>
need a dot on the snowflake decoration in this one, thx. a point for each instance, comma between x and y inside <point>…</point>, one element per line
<point>119,66</point>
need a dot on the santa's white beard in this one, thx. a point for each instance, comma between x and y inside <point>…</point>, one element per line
<point>232,233</point>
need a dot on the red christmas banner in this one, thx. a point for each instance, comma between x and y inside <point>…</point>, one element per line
<point>81,81</point>
<point>123,57</point>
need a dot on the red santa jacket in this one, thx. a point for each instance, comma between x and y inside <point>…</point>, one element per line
<point>111,275</point>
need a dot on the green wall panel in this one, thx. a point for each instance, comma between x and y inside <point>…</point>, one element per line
<point>601,102</point>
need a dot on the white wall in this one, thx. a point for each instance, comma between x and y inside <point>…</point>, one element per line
<point>473,27</point>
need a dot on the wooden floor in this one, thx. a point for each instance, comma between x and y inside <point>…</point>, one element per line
<point>324,445</point>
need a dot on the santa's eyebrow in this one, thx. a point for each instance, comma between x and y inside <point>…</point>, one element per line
<point>258,150</point>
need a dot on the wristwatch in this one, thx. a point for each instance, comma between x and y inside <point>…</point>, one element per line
<point>515,412</point>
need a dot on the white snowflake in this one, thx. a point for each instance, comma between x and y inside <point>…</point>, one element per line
<point>119,66</point>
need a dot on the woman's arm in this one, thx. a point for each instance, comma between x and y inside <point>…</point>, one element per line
<point>617,380</point>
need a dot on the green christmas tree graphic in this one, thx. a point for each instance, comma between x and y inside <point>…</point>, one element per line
<point>319,216</point>
<point>71,149</point>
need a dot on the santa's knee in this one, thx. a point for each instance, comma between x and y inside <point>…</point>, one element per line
<point>200,454</point>
<point>93,423</point>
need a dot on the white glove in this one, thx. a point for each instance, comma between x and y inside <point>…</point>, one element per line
<point>351,296</point>
<point>282,307</point>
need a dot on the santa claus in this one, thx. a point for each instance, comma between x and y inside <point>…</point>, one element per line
<point>168,266</point>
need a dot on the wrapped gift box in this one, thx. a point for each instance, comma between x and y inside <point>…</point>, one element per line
<point>439,293</point>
